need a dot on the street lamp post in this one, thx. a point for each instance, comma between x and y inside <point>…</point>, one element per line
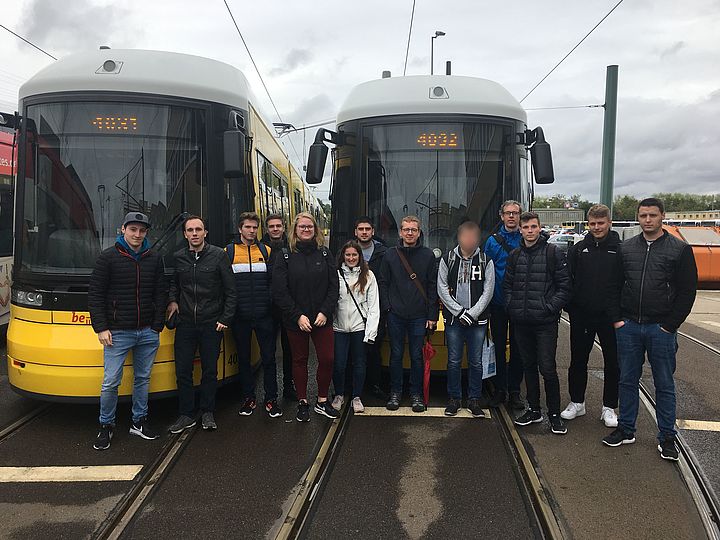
<point>438,33</point>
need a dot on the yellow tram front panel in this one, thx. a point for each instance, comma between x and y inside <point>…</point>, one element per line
<point>56,354</point>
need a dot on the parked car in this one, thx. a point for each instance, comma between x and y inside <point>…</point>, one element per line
<point>564,241</point>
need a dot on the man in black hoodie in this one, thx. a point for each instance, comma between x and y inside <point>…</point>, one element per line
<point>373,253</point>
<point>276,238</point>
<point>536,288</point>
<point>408,294</point>
<point>592,263</point>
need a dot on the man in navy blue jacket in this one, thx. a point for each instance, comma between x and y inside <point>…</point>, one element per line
<point>408,294</point>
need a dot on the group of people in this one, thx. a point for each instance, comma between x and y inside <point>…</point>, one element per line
<point>631,295</point>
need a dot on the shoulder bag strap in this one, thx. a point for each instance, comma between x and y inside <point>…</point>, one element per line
<point>364,319</point>
<point>412,274</point>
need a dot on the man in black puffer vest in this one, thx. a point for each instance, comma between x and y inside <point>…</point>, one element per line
<point>652,297</point>
<point>202,293</point>
<point>126,298</point>
<point>592,262</point>
<point>536,288</point>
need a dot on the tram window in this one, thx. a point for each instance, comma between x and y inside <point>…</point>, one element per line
<point>6,216</point>
<point>441,186</point>
<point>81,181</point>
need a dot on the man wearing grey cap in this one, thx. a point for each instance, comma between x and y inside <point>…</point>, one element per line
<point>127,299</point>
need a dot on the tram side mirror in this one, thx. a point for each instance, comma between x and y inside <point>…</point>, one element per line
<point>316,163</point>
<point>235,164</point>
<point>541,157</point>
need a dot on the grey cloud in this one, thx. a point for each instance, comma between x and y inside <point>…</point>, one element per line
<point>72,25</point>
<point>672,49</point>
<point>294,59</point>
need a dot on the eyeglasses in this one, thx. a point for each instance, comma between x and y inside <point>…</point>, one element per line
<point>306,227</point>
<point>511,213</point>
<point>408,230</point>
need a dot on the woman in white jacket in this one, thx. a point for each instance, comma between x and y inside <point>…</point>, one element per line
<point>355,321</point>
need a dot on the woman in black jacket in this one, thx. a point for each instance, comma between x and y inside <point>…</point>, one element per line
<point>306,289</point>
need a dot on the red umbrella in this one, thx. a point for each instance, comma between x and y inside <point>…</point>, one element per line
<point>428,354</point>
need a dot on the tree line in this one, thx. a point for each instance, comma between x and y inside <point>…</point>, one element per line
<point>624,206</point>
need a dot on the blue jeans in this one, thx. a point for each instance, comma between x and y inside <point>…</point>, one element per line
<point>633,341</point>
<point>349,343</point>
<point>457,336</point>
<point>264,328</point>
<point>144,344</point>
<point>188,339</point>
<point>398,328</point>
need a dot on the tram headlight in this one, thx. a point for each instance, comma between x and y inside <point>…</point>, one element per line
<point>27,298</point>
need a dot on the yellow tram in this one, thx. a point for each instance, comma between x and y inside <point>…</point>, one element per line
<point>111,131</point>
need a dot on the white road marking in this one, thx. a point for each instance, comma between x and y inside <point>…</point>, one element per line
<point>89,473</point>
<point>432,412</point>
<point>711,323</point>
<point>699,425</point>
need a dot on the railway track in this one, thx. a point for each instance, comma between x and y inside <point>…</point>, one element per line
<point>10,429</point>
<point>691,471</point>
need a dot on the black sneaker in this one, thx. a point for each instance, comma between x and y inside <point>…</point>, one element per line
<point>418,405</point>
<point>515,402</point>
<point>668,449</point>
<point>326,409</point>
<point>393,403</point>
<point>530,417</point>
<point>182,423</point>
<point>475,406</point>
<point>557,425</point>
<point>499,397</point>
<point>273,409</point>
<point>303,412</point>
<point>142,428</point>
<point>453,407</point>
<point>618,437</point>
<point>208,421</point>
<point>248,407</point>
<point>104,436</point>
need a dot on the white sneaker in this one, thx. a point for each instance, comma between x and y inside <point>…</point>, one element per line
<point>337,402</point>
<point>609,417</point>
<point>573,410</point>
<point>357,405</point>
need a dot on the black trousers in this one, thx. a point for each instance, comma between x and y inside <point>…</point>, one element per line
<point>188,339</point>
<point>584,326</point>
<point>508,375</point>
<point>286,355</point>
<point>537,345</point>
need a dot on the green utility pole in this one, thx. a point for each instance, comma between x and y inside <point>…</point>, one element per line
<point>607,171</point>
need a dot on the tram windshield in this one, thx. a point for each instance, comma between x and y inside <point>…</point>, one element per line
<point>442,172</point>
<point>89,163</point>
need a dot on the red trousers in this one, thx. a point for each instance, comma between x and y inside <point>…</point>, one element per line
<point>324,341</point>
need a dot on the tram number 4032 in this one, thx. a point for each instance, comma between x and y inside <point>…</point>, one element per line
<point>437,140</point>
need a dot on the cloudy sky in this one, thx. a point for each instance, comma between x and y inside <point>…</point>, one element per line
<point>312,53</point>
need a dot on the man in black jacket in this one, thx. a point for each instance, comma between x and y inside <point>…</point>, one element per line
<point>652,297</point>
<point>126,300</point>
<point>592,262</point>
<point>276,238</point>
<point>373,253</point>
<point>536,288</point>
<point>202,293</point>
<point>408,294</point>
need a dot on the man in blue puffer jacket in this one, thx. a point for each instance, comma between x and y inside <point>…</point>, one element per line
<point>498,246</point>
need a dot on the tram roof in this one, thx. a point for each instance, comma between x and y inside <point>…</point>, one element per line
<point>414,95</point>
<point>146,72</point>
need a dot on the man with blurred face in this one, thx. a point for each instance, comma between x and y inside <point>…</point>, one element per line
<point>373,253</point>
<point>408,293</point>
<point>498,246</point>
<point>536,288</point>
<point>592,262</point>
<point>126,300</point>
<point>651,295</point>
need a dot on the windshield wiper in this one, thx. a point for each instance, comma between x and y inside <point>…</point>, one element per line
<point>169,229</point>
